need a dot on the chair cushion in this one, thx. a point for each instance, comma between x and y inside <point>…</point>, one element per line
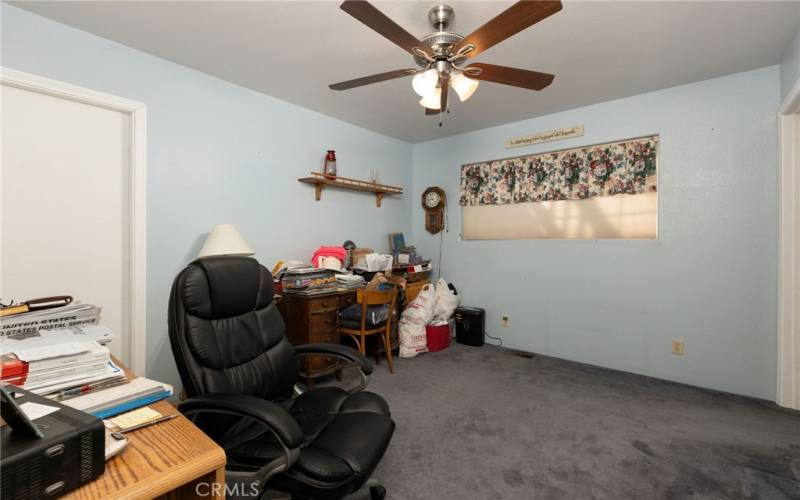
<point>346,437</point>
<point>358,438</point>
<point>356,325</point>
<point>375,314</point>
<point>314,409</point>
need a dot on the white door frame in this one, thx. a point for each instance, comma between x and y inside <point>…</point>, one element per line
<point>137,278</point>
<point>788,393</point>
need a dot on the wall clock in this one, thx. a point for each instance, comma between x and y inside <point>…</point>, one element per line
<point>433,203</point>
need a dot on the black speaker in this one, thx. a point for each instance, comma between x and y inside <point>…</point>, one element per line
<point>470,326</point>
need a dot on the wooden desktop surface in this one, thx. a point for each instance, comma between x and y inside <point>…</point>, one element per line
<point>167,460</point>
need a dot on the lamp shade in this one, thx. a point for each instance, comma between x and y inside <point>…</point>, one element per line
<point>432,100</point>
<point>225,240</point>
<point>464,86</point>
<point>424,83</point>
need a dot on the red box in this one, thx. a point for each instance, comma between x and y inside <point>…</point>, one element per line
<point>438,337</point>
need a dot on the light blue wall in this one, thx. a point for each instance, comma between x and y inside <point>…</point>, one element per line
<point>220,153</point>
<point>711,277</point>
<point>790,66</point>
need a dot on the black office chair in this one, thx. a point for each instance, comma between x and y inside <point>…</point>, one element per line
<point>239,372</point>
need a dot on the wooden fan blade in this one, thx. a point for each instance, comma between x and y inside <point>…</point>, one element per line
<point>524,78</point>
<point>516,18</point>
<point>429,111</point>
<point>377,20</point>
<point>366,80</point>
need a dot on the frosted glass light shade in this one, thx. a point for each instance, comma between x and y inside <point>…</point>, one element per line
<point>432,100</point>
<point>424,83</point>
<point>225,240</point>
<point>463,86</point>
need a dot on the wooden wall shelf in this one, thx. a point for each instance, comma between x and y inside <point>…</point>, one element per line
<point>320,181</point>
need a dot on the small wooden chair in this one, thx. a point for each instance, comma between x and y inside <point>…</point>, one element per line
<point>359,331</point>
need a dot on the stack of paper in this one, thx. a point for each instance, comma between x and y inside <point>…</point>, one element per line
<point>59,362</point>
<point>350,281</point>
<point>109,402</point>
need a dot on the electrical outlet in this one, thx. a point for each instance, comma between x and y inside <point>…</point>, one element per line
<point>677,346</point>
<point>505,320</point>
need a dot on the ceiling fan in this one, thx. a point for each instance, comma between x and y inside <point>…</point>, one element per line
<point>440,55</point>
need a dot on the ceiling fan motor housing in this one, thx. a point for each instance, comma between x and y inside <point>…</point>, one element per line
<point>440,46</point>
<point>441,16</point>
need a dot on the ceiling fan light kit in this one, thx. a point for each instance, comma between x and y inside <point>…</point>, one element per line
<point>424,82</point>
<point>440,55</point>
<point>464,86</point>
<point>433,100</point>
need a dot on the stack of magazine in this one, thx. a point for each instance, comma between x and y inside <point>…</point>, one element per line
<point>308,281</point>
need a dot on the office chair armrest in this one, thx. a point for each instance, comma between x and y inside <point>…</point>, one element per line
<point>268,413</point>
<point>337,351</point>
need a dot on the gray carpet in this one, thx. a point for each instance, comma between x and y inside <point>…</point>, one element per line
<point>483,423</point>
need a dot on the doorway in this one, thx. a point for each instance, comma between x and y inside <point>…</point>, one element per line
<point>73,194</point>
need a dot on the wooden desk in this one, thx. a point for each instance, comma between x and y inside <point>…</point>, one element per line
<point>166,460</point>
<point>315,320</point>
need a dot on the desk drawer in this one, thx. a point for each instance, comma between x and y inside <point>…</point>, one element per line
<point>324,337</point>
<point>323,304</point>
<point>323,321</point>
<point>347,300</point>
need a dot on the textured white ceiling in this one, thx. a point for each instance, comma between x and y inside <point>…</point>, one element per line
<point>292,50</point>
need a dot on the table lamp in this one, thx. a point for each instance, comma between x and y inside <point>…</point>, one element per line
<point>225,240</point>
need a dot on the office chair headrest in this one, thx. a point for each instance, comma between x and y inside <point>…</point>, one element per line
<point>226,286</point>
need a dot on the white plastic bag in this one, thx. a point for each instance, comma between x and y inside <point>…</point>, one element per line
<point>446,303</point>
<point>420,310</point>
<point>413,340</point>
<point>375,262</point>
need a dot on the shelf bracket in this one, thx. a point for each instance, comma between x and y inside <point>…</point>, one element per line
<point>318,191</point>
<point>378,199</point>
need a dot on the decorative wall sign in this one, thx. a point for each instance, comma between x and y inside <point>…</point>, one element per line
<point>623,167</point>
<point>550,135</point>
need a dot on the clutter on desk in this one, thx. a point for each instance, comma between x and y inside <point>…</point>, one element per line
<point>34,305</point>
<point>308,281</point>
<point>350,281</point>
<point>434,307</point>
<point>375,262</point>
<point>115,443</point>
<point>110,402</point>
<point>347,267</point>
<point>60,362</point>
<point>71,365</point>
<point>49,319</point>
<point>134,418</point>
<point>328,251</point>
<point>348,246</point>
